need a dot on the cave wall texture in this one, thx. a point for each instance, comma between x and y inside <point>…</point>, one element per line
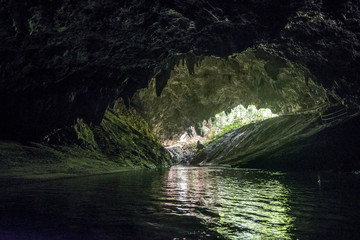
<point>215,84</point>
<point>291,142</point>
<point>64,60</point>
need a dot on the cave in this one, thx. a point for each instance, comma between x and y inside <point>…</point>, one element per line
<point>97,98</point>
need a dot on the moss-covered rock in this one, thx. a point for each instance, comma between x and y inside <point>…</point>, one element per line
<point>121,141</point>
<point>289,142</point>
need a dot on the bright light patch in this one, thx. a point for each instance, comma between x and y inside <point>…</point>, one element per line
<point>224,122</point>
<point>238,116</point>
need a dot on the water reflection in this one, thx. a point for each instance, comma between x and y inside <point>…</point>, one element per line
<point>237,204</point>
<point>184,203</point>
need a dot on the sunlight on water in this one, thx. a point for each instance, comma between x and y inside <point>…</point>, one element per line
<point>184,203</point>
<point>238,207</point>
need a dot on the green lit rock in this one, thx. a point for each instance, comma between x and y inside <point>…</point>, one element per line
<point>216,84</point>
<point>122,141</point>
<point>122,136</point>
<point>288,142</point>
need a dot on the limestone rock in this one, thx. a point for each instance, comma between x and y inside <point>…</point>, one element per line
<point>288,142</point>
<point>218,84</point>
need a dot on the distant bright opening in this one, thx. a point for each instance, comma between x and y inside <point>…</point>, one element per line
<point>224,122</point>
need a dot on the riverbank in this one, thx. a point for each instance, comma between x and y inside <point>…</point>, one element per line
<point>40,161</point>
<point>122,141</point>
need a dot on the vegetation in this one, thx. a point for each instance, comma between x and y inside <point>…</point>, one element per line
<point>214,129</point>
<point>239,116</point>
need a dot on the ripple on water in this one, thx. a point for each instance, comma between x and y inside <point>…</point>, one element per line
<point>184,202</point>
<point>244,204</point>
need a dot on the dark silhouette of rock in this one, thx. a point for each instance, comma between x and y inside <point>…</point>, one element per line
<point>199,146</point>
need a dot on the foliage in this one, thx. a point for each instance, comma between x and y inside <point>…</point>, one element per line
<point>239,116</point>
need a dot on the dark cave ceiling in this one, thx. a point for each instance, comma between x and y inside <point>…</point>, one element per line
<point>60,61</point>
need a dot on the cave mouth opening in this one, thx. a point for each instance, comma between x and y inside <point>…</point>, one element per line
<point>221,123</point>
<point>202,94</point>
<point>199,87</point>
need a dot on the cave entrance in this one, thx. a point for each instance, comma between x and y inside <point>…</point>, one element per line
<point>201,88</point>
<point>219,124</point>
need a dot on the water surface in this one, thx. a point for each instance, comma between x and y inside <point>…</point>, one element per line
<point>184,203</point>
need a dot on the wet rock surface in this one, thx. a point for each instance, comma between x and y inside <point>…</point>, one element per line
<point>288,142</point>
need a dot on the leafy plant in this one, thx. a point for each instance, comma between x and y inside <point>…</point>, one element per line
<point>239,116</point>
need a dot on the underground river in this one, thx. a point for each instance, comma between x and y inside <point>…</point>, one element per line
<point>184,203</point>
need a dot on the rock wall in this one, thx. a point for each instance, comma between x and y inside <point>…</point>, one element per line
<point>122,136</point>
<point>121,141</point>
<point>218,84</point>
<point>64,60</point>
<point>289,142</point>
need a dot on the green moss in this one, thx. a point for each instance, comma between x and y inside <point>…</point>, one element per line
<point>85,134</point>
<point>122,141</point>
<point>126,138</point>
